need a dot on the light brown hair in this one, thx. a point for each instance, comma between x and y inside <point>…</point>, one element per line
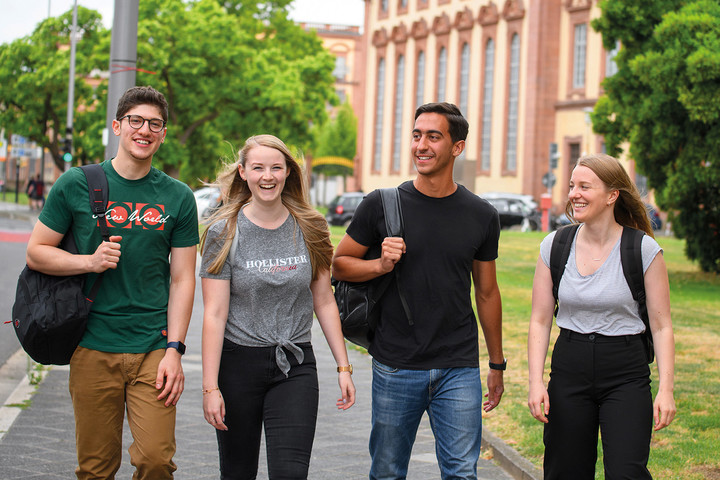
<point>629,208</point>
<point>236,194</point>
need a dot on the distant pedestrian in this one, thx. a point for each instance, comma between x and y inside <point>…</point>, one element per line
<point>128,360</point>
<point>35,191</point>
<point>258,363</point>
<point>599,377</point>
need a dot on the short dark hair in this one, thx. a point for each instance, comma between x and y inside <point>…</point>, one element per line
<point>135,96</point>
<point>457,124</point>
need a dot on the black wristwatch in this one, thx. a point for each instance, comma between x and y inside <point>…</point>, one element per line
<point>498,366</point>
<point>179,346</point>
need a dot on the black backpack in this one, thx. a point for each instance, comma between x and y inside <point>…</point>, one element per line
<point>631,259</point>
<point>356,301</point>
<point>51,311</point>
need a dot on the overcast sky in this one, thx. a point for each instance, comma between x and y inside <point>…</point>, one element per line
<point>19,18</point>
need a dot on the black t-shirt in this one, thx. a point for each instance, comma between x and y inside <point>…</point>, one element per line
<point>443,237</point>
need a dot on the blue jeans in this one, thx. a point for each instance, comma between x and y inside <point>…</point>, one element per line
<point>452,398</point>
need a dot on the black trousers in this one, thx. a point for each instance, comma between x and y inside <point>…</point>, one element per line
<point>598,382</point>
<point>256,392</point>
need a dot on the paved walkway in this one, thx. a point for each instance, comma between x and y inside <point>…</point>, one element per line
<point>40,444</point>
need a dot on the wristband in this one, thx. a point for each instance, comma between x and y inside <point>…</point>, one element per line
<point>498,366</point>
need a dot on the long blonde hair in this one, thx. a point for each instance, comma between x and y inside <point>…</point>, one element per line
<point>629,208</point>
<point>236,194</point>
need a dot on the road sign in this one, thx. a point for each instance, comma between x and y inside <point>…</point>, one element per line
<point>549,179</point>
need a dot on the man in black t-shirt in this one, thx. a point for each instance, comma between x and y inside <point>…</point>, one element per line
<point>432,362</point>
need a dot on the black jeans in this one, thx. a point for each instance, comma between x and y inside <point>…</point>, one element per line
<point>598,382</point>
<point>256,392</point>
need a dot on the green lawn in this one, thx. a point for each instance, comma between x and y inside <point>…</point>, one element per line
<point>687,449</point>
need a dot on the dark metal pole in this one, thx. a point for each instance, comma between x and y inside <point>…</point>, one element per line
<point>123,61</point>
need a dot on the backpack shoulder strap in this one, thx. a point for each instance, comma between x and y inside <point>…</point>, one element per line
<point>631,259</point>
<point>98,191</point>
<point>559,254</point>
<point>393,212</point>
<point>395,226</point>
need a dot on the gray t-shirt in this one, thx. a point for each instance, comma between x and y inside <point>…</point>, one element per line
<point>270,298</point>
<point>602,301</point>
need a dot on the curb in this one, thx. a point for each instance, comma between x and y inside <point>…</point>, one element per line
<point>509,459</point>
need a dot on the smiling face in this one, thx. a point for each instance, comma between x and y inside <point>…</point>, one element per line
<point>265,172</point>
<point>139,144</point>
<point>432,148</point>
<point>588,195</point>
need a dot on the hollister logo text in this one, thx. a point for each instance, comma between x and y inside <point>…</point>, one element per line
<point>276,265</point>
<point>144,215</point>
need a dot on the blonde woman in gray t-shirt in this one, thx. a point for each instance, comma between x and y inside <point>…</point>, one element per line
<point>599,377</point>
<point>265,269</point>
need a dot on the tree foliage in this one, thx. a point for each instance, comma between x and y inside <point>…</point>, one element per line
<point>34,75</point>
<point>664,102</point>
<point>229,69</point>
<point>337,138</point>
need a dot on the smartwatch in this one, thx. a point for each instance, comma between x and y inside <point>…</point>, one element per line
<point>496,366</point>
<point>179,346</point>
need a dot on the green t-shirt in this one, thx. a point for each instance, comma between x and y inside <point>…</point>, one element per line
<point>152,215</point>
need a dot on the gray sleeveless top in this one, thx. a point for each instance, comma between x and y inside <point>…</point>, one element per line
<point>270,299</point>
<point>600,302</point>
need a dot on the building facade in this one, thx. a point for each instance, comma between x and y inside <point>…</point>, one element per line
<point>525,73</point>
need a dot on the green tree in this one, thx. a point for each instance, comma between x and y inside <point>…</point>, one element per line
<point>337,138</point>
<point>228,75</point>
<point>664,102</point>
<point>335,146</point>
<point>34,74</point>
<point>229,69</point>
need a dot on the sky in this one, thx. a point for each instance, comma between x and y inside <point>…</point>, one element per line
<point>19,18</point>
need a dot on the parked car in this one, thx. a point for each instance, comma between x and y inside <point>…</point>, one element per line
<point>342,208</point>
<point>528,200</point>
<point>207,200</point>
<point>515,209</point>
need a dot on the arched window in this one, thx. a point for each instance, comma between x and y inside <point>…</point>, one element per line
<point>487,104</point>
<point>377,163</point>
<point>442,75</point>
<point>420,82</point>
<point>397,128</point>
<point>512,116</point>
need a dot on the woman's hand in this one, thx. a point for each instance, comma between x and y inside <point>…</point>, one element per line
<point>347,390</point>
<point>539,402</point>
<point>214,408</point>
<point>663,410</point>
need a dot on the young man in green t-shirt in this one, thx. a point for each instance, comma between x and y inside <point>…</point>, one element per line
<point>129,356</point>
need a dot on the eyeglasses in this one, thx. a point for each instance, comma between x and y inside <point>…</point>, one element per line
<point>136,121</point>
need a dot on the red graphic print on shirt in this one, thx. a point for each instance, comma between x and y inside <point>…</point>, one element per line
<point>150,216</point>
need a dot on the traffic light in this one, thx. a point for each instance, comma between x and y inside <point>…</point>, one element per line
<point>68,156</point>
<point>554,156</point>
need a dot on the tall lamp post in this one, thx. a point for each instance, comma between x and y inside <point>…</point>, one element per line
<point>71,93</point>
<point>123,61</point>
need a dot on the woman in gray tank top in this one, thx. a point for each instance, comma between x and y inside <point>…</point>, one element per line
<point>265,270</point>
<point>599,377</point>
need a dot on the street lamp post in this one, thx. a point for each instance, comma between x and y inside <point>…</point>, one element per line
<point>71,90</point>
<point>123,61</point>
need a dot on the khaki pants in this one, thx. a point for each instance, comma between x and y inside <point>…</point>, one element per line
<point>101,386</point>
